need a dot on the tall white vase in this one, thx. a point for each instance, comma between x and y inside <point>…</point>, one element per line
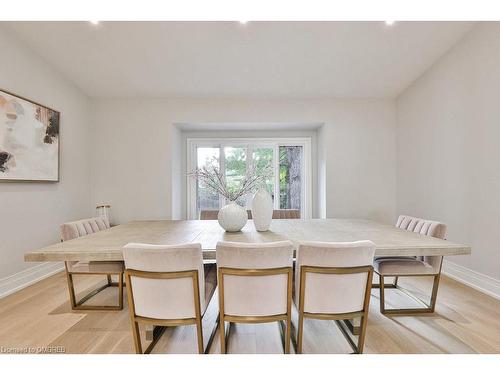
<point>232,217</point>
<point>262,210</point>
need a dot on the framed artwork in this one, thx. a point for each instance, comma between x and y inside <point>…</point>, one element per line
<point>29,140</point>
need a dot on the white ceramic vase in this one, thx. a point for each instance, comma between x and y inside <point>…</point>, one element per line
<point>262,210</point>
<point>232,217</point>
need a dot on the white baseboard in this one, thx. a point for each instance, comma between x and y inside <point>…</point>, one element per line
<point>20,280</point>
<point>476,280</point>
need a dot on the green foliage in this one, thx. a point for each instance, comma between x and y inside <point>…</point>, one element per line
<point>261,171</point>
<point>263,160</point>
<point>235,168</point>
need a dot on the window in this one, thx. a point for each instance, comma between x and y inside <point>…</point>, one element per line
<point>289,184</point>
<point>290,158</point>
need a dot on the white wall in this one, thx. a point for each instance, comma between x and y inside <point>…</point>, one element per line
<point>449,147</point>
<point>30,213</point>
<point>178,183</point>
<point>134,164</point>
<point>446,145</point>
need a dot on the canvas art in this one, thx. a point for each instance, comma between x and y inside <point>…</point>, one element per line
<point>29,140</point>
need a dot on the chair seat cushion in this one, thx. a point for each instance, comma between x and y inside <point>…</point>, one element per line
<point>400,266</point>
<point>96,267</point>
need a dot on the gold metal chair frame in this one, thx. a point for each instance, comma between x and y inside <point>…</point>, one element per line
<point>338,318</point>
<point>429,307</point>
<point>161,324</point>
<point>285,328</point>
<point>79,305</point>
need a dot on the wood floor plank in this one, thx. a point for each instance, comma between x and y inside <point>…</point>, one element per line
<point>465,321</point>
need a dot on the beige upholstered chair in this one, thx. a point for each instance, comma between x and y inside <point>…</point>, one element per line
<point>255,285</point>
<point>81,228</point>
<point>333,282</point>
<point>411,266</point>
<point>166,287</point>
<point>213,214</point>
<point>209,214</point>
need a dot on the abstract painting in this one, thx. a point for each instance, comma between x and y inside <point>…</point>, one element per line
<point>29,140</point>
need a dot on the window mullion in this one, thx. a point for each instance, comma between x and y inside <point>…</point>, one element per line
<point>276,163</point>
<point>249,166</point>
<point>222,166</point>
<point>249,159</point>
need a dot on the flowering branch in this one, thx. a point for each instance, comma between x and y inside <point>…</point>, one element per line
<point>215,181</point>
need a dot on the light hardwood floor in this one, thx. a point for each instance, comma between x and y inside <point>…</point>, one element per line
<point>466,321</point>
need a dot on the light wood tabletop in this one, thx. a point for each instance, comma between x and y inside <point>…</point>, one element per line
<point>107,245</point>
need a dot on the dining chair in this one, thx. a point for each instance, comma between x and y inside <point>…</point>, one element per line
<point>209,214</point>
<point>213,214</point>
<point>255,286</point>
<point>81,228</point>
<point>165,287</point>
<point>286,214</point>
<point>333,282</point>
<point>411,266</point>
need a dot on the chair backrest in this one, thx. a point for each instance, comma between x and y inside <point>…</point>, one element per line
<point>427,228</point>
<point>171,298</point>
<point>75,229</point>
<point>334,293</point>
<point>213,214</point>
<point>254,295</point>
<point>422,226</point>
<point>286,214</point>
<point>209,214</point>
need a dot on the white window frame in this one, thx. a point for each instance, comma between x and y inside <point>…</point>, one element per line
<point>306,166</point>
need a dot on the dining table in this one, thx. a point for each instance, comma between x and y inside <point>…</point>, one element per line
<point>107,245</point>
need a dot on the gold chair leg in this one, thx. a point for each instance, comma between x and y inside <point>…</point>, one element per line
<point>135,326</point>
<point>79,305</point>
<point>362,333</point>
<point>225,337</point>
<point>199,335</point>
<point>429,308</point>
<point>222,332</point>
<point>287,335</point>
<point>289,312</point>
<point>137,337</point>
<point>222,323</point>
<point>300,333</point>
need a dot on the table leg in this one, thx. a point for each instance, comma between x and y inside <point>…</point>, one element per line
<point>153,332</point>
<point>354,325</point>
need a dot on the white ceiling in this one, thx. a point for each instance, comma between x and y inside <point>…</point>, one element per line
<point>228,59</point>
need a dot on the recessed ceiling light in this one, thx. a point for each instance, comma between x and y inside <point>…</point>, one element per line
<point>389,23</point>
<point>94,22</point>
<point>243,22</point>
